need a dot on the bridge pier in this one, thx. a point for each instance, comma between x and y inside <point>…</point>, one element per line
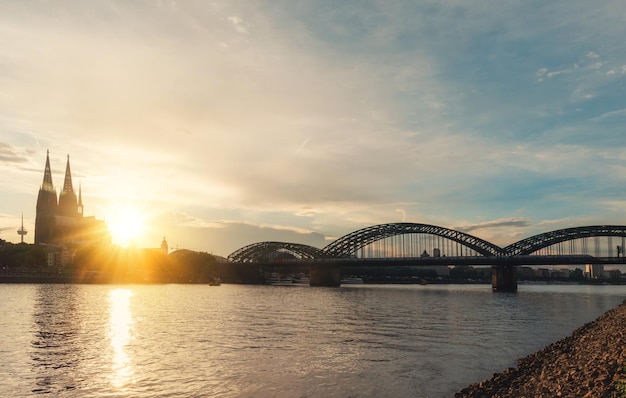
<point>503,278</point>
<point>327,276</point>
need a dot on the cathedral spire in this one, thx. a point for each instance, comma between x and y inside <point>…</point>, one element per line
<point>67,183</point>
<point>67,198</point>
<point>47,176</point>
<point>45,222</point>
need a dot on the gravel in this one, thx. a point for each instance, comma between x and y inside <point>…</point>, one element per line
<point>589,363</point>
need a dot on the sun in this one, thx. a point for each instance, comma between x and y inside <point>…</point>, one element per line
<point>126,224</point>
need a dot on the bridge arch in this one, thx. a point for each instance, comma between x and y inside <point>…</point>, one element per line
<point>272,251</point>
<point>349,244</point>
<point>541,241</point>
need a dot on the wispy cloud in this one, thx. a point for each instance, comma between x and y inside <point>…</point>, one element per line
<point>9,154</point>
<point>612,114</point>
<point>402,214</point>
<point>240,25</point>
<point>592,55</point>
<point>316,118</point>
<point>545,72</point>
<point>502,223</point>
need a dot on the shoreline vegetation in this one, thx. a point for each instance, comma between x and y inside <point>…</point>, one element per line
<point>589,363</point>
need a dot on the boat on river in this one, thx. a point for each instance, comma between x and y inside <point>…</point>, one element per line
<point>301,279</point>
<point>351,280</point>
<point>275,279</point>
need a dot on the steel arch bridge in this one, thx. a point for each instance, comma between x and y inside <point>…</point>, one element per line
<point>541,241</point>
<point>270,251</point>
<point>349,244</point>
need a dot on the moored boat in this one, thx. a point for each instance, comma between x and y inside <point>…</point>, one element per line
<point>351,280</point>
<point>275,279</point>
<point>301,279</point>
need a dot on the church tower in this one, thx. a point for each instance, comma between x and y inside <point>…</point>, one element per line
<point>164,246</point>
<point>68,206</point>
<point>45,218</point>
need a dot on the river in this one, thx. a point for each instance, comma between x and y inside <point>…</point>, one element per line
<point>272,341</point>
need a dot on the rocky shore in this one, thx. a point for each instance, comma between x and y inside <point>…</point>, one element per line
<point>589,363</point>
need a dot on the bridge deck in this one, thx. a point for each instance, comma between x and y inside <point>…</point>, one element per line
<point>439,261</point>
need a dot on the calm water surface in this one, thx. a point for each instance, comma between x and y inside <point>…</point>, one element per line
<point>270,341</point>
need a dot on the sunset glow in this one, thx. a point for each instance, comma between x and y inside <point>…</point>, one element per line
<point>237,122</point>
<point>121,323</point>
<point>126,224</point>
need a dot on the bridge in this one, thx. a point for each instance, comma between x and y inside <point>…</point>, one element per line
<point>412,244</point>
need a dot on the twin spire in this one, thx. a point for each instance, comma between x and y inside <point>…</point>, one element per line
<point>47,176</point>
<point>68,205</point>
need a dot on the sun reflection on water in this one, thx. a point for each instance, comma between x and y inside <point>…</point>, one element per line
<point>120,327</point>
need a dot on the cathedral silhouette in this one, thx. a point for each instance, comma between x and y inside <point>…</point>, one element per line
<point>62,222</point>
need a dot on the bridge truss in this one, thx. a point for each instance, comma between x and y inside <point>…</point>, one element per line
<point>275,251</point>
<point>573,241</point>
<point>422,236</point>
<point>411,240</point>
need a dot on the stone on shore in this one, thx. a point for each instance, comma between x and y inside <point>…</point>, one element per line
<point>589,363</point>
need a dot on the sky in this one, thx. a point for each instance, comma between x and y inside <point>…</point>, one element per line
<point>221,124</point>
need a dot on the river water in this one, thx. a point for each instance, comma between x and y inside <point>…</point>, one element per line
<point>271,341</point>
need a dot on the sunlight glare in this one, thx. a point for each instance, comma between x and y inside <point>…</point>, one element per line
<point>126,223</point>
<point>120,334</point>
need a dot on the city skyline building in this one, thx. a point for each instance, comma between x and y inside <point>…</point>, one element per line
<point>595,271</point>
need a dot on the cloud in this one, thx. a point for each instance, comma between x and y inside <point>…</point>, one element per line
<point>612,114</point>
<point>590,62</point>
<point>502,223</point>
<point>226,236</point>
<point>549,222</point>
<point>545,72</point>
<point>240,25</point>
<point>312,118</point>
<point>402,214</point>
<point>221,224</point>
<point>303,144</point>
<point>10,154</point>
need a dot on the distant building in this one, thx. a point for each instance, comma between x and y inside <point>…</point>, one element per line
<point>614,273</point>
<point>526,272</point>
<point>560,273</point>
<point>594,271</point>
<point>62,222</point>
<point>542,272</point>
<point>441,270</point>
<point>58,256</point>
<point>163,250</point>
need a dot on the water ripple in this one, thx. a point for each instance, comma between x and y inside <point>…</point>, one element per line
<point>261,341</point>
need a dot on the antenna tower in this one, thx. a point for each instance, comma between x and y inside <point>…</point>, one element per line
<point>21,232</point>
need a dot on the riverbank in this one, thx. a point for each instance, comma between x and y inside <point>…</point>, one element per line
<point>589,363</point>
<point>93,277</point>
